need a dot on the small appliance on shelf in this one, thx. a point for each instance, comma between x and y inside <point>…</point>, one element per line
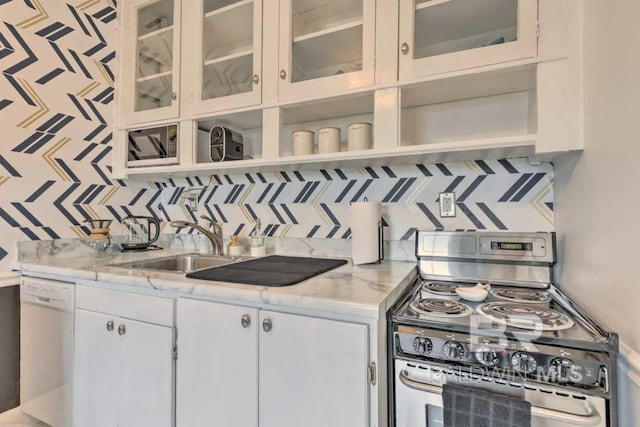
<point>225,144</point>
<point>152,146</point>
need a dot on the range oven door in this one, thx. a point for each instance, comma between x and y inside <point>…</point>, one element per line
<point>418,401</point>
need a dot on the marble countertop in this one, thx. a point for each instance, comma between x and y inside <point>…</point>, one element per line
<point>9,279</point>
<point>365,291</point>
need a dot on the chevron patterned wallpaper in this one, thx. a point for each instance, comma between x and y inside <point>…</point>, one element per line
<point>56,95</point>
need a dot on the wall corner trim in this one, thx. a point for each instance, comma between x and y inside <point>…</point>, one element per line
<point>629,363</point>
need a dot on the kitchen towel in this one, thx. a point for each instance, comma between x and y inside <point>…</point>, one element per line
<point>464,406</point>
<point>365,221</point>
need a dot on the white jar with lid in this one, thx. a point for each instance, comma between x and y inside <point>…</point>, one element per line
<point>328,140</point>
<point>302,141</point>
<point>360,136</point>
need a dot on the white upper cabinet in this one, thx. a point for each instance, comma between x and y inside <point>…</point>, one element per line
<point>223,53</point>
<point>150,61</point>
<point>440,36</point>
<point>326,47</point>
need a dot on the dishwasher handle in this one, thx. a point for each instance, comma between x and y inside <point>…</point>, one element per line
<point>591,419</point>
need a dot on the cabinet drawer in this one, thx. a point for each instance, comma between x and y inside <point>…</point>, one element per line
<point>144,308</point>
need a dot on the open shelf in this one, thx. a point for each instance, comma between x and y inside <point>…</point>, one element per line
<point>440,88</point>
<point>247,123</point>
<point>488,117</point>
<point>492,148</point>
<point>228,30</point>
<point>316,55</point>
<point>335,107</point>
<point>457,25</point>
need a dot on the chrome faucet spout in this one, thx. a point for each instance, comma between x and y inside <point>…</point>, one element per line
<point>215,236</point>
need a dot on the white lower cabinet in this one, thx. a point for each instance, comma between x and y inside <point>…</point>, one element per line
<point>243,367</point>
<point>313,372</point>
<point>217,369</point>
<point>123,368</point>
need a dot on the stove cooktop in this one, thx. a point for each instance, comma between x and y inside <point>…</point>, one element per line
<point>542,315</point>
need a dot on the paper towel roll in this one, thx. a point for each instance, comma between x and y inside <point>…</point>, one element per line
<point>365,217</point>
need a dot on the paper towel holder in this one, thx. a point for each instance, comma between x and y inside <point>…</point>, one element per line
<point>381,226</point>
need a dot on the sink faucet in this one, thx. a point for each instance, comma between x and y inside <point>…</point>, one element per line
<point>214,235</point>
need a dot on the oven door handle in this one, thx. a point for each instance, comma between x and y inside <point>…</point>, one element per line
<point>591,419</point>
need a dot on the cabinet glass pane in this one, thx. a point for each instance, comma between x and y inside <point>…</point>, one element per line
<point>155,17</point>
<point>327,38</point>
<point>227,48</point>
<point>153,93</point>
<point>446,26</point>
<point>154,48</point>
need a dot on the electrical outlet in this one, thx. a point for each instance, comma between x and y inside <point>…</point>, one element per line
<point>447,205</point>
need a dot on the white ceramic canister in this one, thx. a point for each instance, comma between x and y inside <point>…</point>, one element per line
<point>302,142</point>
<point>360,136</point>
<point>328,140</point>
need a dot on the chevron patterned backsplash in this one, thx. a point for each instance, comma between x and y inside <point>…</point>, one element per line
<point>491,195</point>
<point>56,98</point>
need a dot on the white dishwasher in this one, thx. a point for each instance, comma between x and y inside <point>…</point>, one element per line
<point>46,347</point>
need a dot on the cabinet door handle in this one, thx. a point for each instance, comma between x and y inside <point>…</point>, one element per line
<point>245,321</point>
<point>174,96</point>
<point>404,48</point>
<point>110,325</point>
<point>283,74</point>
<point>122,330</point>
<point>267,325</point>
<point>256,79</point>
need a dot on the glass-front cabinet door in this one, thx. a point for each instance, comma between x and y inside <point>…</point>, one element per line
<point>224,54</point>
<point>326,46</point>
<point>151,61</point>
<point>439,36</point>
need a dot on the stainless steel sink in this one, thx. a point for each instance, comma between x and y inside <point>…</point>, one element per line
<point>180,263</point>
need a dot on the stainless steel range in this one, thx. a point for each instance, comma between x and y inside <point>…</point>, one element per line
<point>525,340</point>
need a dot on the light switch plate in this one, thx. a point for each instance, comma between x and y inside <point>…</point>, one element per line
<point>447,205</point>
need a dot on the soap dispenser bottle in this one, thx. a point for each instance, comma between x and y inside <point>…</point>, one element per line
<point>235,248</point>
<point>258,247</point>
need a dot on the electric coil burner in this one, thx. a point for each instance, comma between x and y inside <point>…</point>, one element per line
<point>526,340</point>
<point>440,308</point>
<point>448,289</point>
<point>525,316</point>
<point>532,296</point>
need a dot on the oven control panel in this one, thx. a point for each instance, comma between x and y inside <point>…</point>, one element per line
<point>505,246</point>
<point>511,359</point>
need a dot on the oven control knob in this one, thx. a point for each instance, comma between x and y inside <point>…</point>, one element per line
<point>487,357</point>
<point>562,369</point>
<point>524,363</point>
<point>422,345</point>
<point>453,350</point>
